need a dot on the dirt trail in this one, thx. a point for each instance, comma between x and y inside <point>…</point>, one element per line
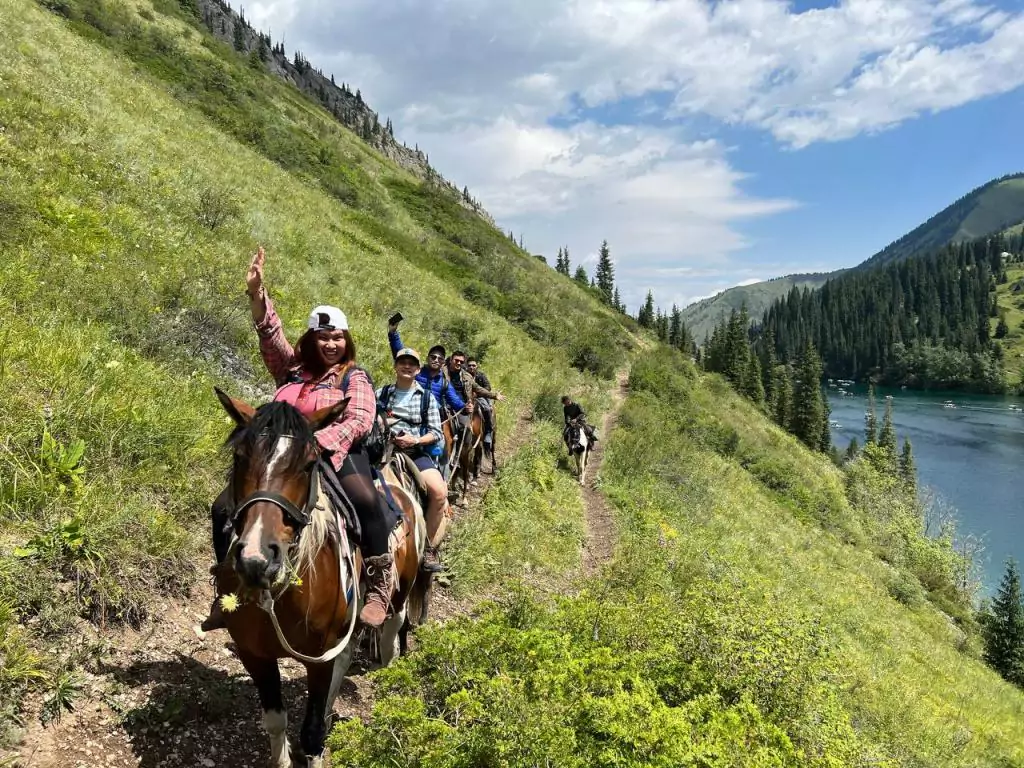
<point>600,544</point>
<point>163,698</point>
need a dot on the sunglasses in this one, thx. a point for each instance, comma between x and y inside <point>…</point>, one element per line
<point>435,357</point>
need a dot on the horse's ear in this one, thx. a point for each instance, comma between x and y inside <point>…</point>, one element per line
<point>325,416</point>
<point>238,410</point>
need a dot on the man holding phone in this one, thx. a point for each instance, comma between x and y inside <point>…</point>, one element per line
<point>431,375</point>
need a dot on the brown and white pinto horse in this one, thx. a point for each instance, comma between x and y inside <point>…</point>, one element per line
<point>295,575</point>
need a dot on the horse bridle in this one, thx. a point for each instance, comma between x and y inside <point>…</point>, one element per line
<point>299,517</point>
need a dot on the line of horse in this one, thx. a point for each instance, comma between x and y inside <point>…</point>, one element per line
<point>291,583</point>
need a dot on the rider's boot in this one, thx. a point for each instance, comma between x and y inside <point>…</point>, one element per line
<point>431,560</point>
<point>215,619</point>
<point>379,590</point>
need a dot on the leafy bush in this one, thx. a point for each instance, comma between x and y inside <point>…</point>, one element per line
<point>596,683</point>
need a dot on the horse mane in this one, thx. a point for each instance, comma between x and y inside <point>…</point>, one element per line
<point>273,420</point>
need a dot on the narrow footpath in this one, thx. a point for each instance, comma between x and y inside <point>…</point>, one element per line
<point>600,543</point>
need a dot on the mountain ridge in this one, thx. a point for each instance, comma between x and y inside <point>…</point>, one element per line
<point>975,214</point>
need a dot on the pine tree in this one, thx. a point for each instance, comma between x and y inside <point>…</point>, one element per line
<point>887,436</point>
<point>781,405</point>
<point>617,301</point>
<point>675,326</point>
<point>645,317</point>
<point>752,386</point>
<point>1004,628</point>
<point>852,449</point>
<point>661,325</point>
<point>870,421</point>
<point>825,444</point>
<point>239,37</point>
<point>581,276</point>
<point>908,472</point>
<point>1002,328</point>
<point>605,273</point>
<point>808,405</point>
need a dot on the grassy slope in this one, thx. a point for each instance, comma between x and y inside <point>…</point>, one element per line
<point>1012,303</point>
<point>742,622</point>
<point>990,208</point>
<point>997,209</point>
<point>909,680</point>
<point>702,317</point>
<point>120,307</point>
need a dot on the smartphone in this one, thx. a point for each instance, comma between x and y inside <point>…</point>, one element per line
<point>395,319</point>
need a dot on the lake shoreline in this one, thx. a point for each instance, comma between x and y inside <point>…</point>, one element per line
<point>968,448</point>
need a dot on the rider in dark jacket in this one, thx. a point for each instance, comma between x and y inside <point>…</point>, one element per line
<point>484,396</point>
<point>572,410</point>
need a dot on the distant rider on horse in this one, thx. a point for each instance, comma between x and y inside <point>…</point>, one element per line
<point>319,371</point>
<point>406,402</point>
<point>571,411</point>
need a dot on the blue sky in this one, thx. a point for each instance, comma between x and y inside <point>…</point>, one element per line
<point>711,143</point>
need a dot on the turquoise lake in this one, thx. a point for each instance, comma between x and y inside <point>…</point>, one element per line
<point>972,456</point>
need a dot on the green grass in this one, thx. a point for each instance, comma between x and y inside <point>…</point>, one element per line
<point>911,679</point>
<point>530,525</point>
<point>129,208</point>
<point>1011,304</point>
<point>746,620</point>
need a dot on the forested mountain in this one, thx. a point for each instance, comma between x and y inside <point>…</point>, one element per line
<point>991,208</point>
<point>702,316</point>
<point>922,322</point>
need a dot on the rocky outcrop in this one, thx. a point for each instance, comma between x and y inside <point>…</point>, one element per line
<point>347,107</point>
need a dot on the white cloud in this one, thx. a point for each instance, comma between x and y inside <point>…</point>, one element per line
<point>501,95</point>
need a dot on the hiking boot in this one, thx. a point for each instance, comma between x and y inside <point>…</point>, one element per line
<point>378,591</point>
<point>431,561</point>
<point>215,620</point>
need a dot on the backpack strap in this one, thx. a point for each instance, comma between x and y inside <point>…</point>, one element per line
<point>343,385</point>
<point>385,395</point>
<point>424,411</point>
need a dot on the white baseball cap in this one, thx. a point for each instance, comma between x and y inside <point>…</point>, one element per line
<point>327,318</point>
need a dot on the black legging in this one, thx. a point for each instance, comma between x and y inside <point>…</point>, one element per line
<point>357,482</point>
<point>370,506</point>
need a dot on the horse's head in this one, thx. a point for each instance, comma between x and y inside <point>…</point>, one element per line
<point>272,480</point>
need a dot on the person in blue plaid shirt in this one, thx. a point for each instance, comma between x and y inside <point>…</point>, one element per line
<point>420,439</point>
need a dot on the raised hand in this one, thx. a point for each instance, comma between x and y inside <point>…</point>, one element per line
<point>254,276</point>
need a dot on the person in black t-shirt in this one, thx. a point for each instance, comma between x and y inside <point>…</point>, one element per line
<point>572,410</point>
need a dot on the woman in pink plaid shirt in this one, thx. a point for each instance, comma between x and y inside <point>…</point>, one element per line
<point>310,376</point>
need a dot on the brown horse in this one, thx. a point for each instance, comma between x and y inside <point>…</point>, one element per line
<point>294,575</point>
<point>471,449</point>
